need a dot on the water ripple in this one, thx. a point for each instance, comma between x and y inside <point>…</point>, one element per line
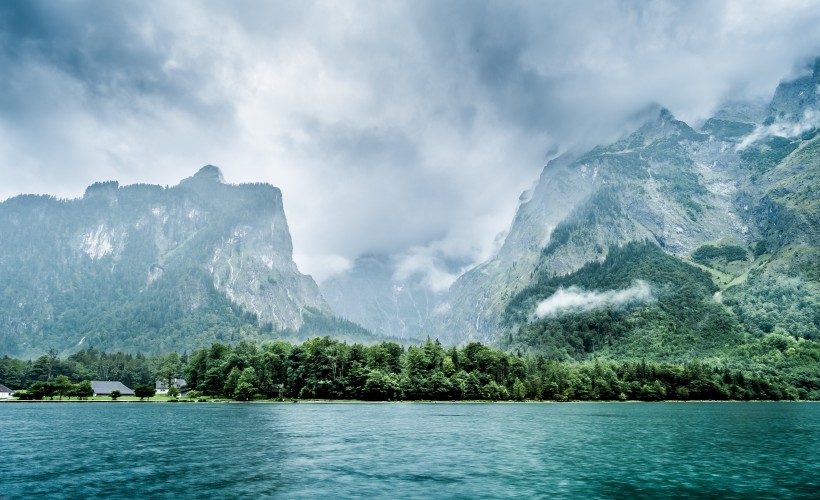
<point>608,450</point>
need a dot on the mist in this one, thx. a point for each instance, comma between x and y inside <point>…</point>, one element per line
<point>574,299</point>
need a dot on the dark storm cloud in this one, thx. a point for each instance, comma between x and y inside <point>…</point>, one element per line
<point>400,127</point>
<point>114,50</point>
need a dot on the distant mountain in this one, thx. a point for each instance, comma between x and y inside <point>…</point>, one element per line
<point>152,269</point>
<point>370,293</point>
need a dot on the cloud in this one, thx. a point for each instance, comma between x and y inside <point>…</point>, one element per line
<point>431,265</point>
<point>322,266</point>
<point>783,128</point>
<point>577,300</point>
<point>390,127</point>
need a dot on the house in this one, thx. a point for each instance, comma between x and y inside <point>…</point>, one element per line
<point>106,387</point>
<point>162,386</point>
<point>5,392</point>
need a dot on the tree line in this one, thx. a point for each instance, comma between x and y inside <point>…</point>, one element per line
<point>324,368</point>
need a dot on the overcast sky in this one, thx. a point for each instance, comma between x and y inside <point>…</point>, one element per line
<point>407,128</point>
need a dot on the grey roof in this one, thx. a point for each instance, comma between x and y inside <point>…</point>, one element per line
<point>3,388</point>
<point>105,387</point>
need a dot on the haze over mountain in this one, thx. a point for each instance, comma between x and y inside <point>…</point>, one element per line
<point>670,243</point>
<point>401,136</point>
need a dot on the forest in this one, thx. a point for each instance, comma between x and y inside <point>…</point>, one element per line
<point>778,367</point>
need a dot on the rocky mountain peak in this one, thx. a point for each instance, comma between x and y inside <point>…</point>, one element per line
<point>102,190</point>
<point>663,124</point>
<point>794,98</point>
<point>209,173</point>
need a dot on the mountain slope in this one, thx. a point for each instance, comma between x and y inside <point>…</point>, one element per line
<point>655,184</point>
<point>647,304</point>
<point>782,289</point>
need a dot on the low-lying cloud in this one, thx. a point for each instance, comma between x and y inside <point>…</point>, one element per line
<point>783,128</point>
<point>577,300</point>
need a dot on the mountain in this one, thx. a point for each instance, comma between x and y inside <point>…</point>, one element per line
<point>664,183</point>
<point>151,269</point>
<point>638,303</point>
<point>727,212</point>
<point>735,200</point>
<point>371,295</point>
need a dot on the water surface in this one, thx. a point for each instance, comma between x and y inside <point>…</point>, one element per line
<point>588,450</point>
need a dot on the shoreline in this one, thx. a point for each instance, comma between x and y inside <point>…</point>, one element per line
<point>420,401</point>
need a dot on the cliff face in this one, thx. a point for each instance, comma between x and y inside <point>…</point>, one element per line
<point>250,253</point>
<point>135,267</point>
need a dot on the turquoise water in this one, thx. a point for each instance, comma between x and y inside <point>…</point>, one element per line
<point>587,450</point>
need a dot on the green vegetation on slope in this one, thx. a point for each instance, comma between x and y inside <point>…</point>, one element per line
<point>707,254</point>
<point>726,129</point>
<point>764,155</point>
<point>681,322</point>
<point>580,226</point>
<point>768,302</point>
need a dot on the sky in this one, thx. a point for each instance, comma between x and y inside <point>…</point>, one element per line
<point>406,128</point>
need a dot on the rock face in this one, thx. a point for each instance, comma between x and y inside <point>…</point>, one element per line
<point>251,253</point>
<point>118,267</point>
<point>795,99</point>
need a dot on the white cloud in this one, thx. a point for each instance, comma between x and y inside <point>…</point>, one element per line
<point>783,128</point>
<point>425,263</point>
<point>578,300</point>
<point>321,266</point>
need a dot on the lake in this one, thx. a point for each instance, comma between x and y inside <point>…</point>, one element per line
<point>525,450</point>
